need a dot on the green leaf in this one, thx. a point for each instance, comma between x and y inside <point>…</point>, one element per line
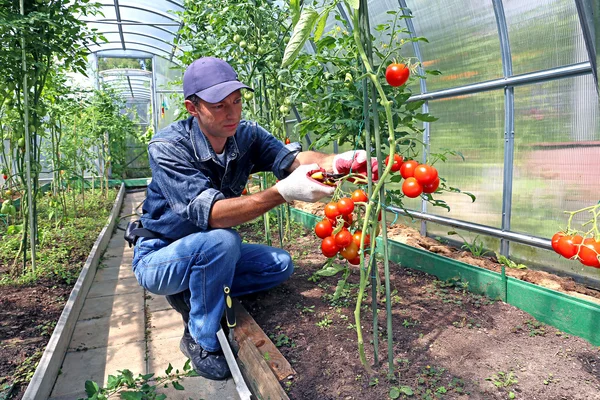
<point>295,9</point>
<point>177,386</point>
<point>406,390</point>
<point>132,395</point>
<point>300,35</point>
<point>169,369</point>
<point>414,105</point>
<point>425,117</point>
<point>91,388</point>
<point>394,393</point>
<point>353,4</point>
<point>330,270</point>
<point>321,24</point>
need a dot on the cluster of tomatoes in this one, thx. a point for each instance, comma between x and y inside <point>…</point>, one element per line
<point>587,251</point>
<point>334,229</point>
<point>418,178</point>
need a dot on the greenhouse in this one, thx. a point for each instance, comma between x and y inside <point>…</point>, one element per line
<point>299,200</point>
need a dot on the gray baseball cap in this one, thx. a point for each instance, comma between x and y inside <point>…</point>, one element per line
<point>211,79</point>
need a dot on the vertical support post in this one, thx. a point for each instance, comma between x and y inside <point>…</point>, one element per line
<point>32,233</point>
<point>153,99</point>
<point>585,12</point>
<point>509,130</point>
<point>423,84</point>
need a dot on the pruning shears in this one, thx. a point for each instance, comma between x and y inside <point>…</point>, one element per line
<point>325,177</point>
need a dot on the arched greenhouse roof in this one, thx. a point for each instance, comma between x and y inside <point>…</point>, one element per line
<point>137,29</point>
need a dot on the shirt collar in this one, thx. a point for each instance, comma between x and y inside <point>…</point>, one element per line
<point>203,149</point>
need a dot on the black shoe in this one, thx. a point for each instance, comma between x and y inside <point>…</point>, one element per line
<point>211,365</point>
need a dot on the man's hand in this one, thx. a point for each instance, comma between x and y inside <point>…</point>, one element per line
<point>354,161</point>
<point>299,186</point>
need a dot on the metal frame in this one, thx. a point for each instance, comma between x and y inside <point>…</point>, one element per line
<point>507,83</point>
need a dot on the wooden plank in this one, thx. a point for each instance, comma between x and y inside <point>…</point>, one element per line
<point>259,377</point>
<point>276,361</point>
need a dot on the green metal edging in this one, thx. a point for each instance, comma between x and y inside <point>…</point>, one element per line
<point>131,183</point>
<point>570,314</point>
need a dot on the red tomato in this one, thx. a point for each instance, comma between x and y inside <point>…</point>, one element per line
<point>345,206</point>
<point>407,169</point>
<point>287,140</point>
<point>347,220</point>
<point>357,237</point>
<point>397,162</point>
<point>328,247</point>
<point>323,229</point>
<point>350,252</point>
<point>431,187</point>
<point>568,245</point>
<point>355,261</point>
<point>555,240</point>
<point>412,188</point>
<point>425,174</point>
<point>359,196</point>
<point>343,238</point>
<point>245,191</point>
<point>4,176</point>
<point>589,253</point>
<point>331,211</point>
<point>396,74</point>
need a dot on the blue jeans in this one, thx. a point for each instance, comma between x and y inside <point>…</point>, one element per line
<point>205,262</point>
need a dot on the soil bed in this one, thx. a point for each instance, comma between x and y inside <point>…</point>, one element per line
<point>29,312</point>
<point>447,343</point>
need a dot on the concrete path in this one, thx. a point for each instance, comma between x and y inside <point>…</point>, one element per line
<point>121,326</point>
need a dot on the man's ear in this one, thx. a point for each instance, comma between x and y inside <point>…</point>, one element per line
<point>191,108</point>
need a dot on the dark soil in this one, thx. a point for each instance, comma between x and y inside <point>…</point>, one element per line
<point>28,315</point>
<point>447,343</point>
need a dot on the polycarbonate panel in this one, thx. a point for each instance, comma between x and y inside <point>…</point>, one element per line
<point>141,13</point>
<point>557,166</point>
<point>165,33</point>
<point>474,126</point>
<point>463,41</point>
<point>557,153</point>
<point>544,34</point>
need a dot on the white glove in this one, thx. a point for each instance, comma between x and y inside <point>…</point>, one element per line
<point>354,161</point>
<point>300,186</point>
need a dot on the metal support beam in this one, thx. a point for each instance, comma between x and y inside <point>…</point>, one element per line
<point>130,88</point>
<point>568,71</point>
<point>153,98</point>
<point>509,123</point>
<point>522,238</point>
<point>423,84</point>
<point>118,14</point>
<point>586,19</point>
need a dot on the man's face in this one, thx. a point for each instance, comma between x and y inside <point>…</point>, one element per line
<point>219,120</point>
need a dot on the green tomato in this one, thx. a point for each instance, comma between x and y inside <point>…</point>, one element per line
<point>248,95</point>
<point>237,38</point>
<point>261,51</point>
<point>284,109</point>
<point>21,143</point>
<point>243,44</point>
<point>287,101</point>
<point>252,48</point>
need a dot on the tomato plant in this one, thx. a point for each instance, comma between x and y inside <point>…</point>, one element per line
<point>396,74</point>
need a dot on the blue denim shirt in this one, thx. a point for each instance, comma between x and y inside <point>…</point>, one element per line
<point>187,176</point>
